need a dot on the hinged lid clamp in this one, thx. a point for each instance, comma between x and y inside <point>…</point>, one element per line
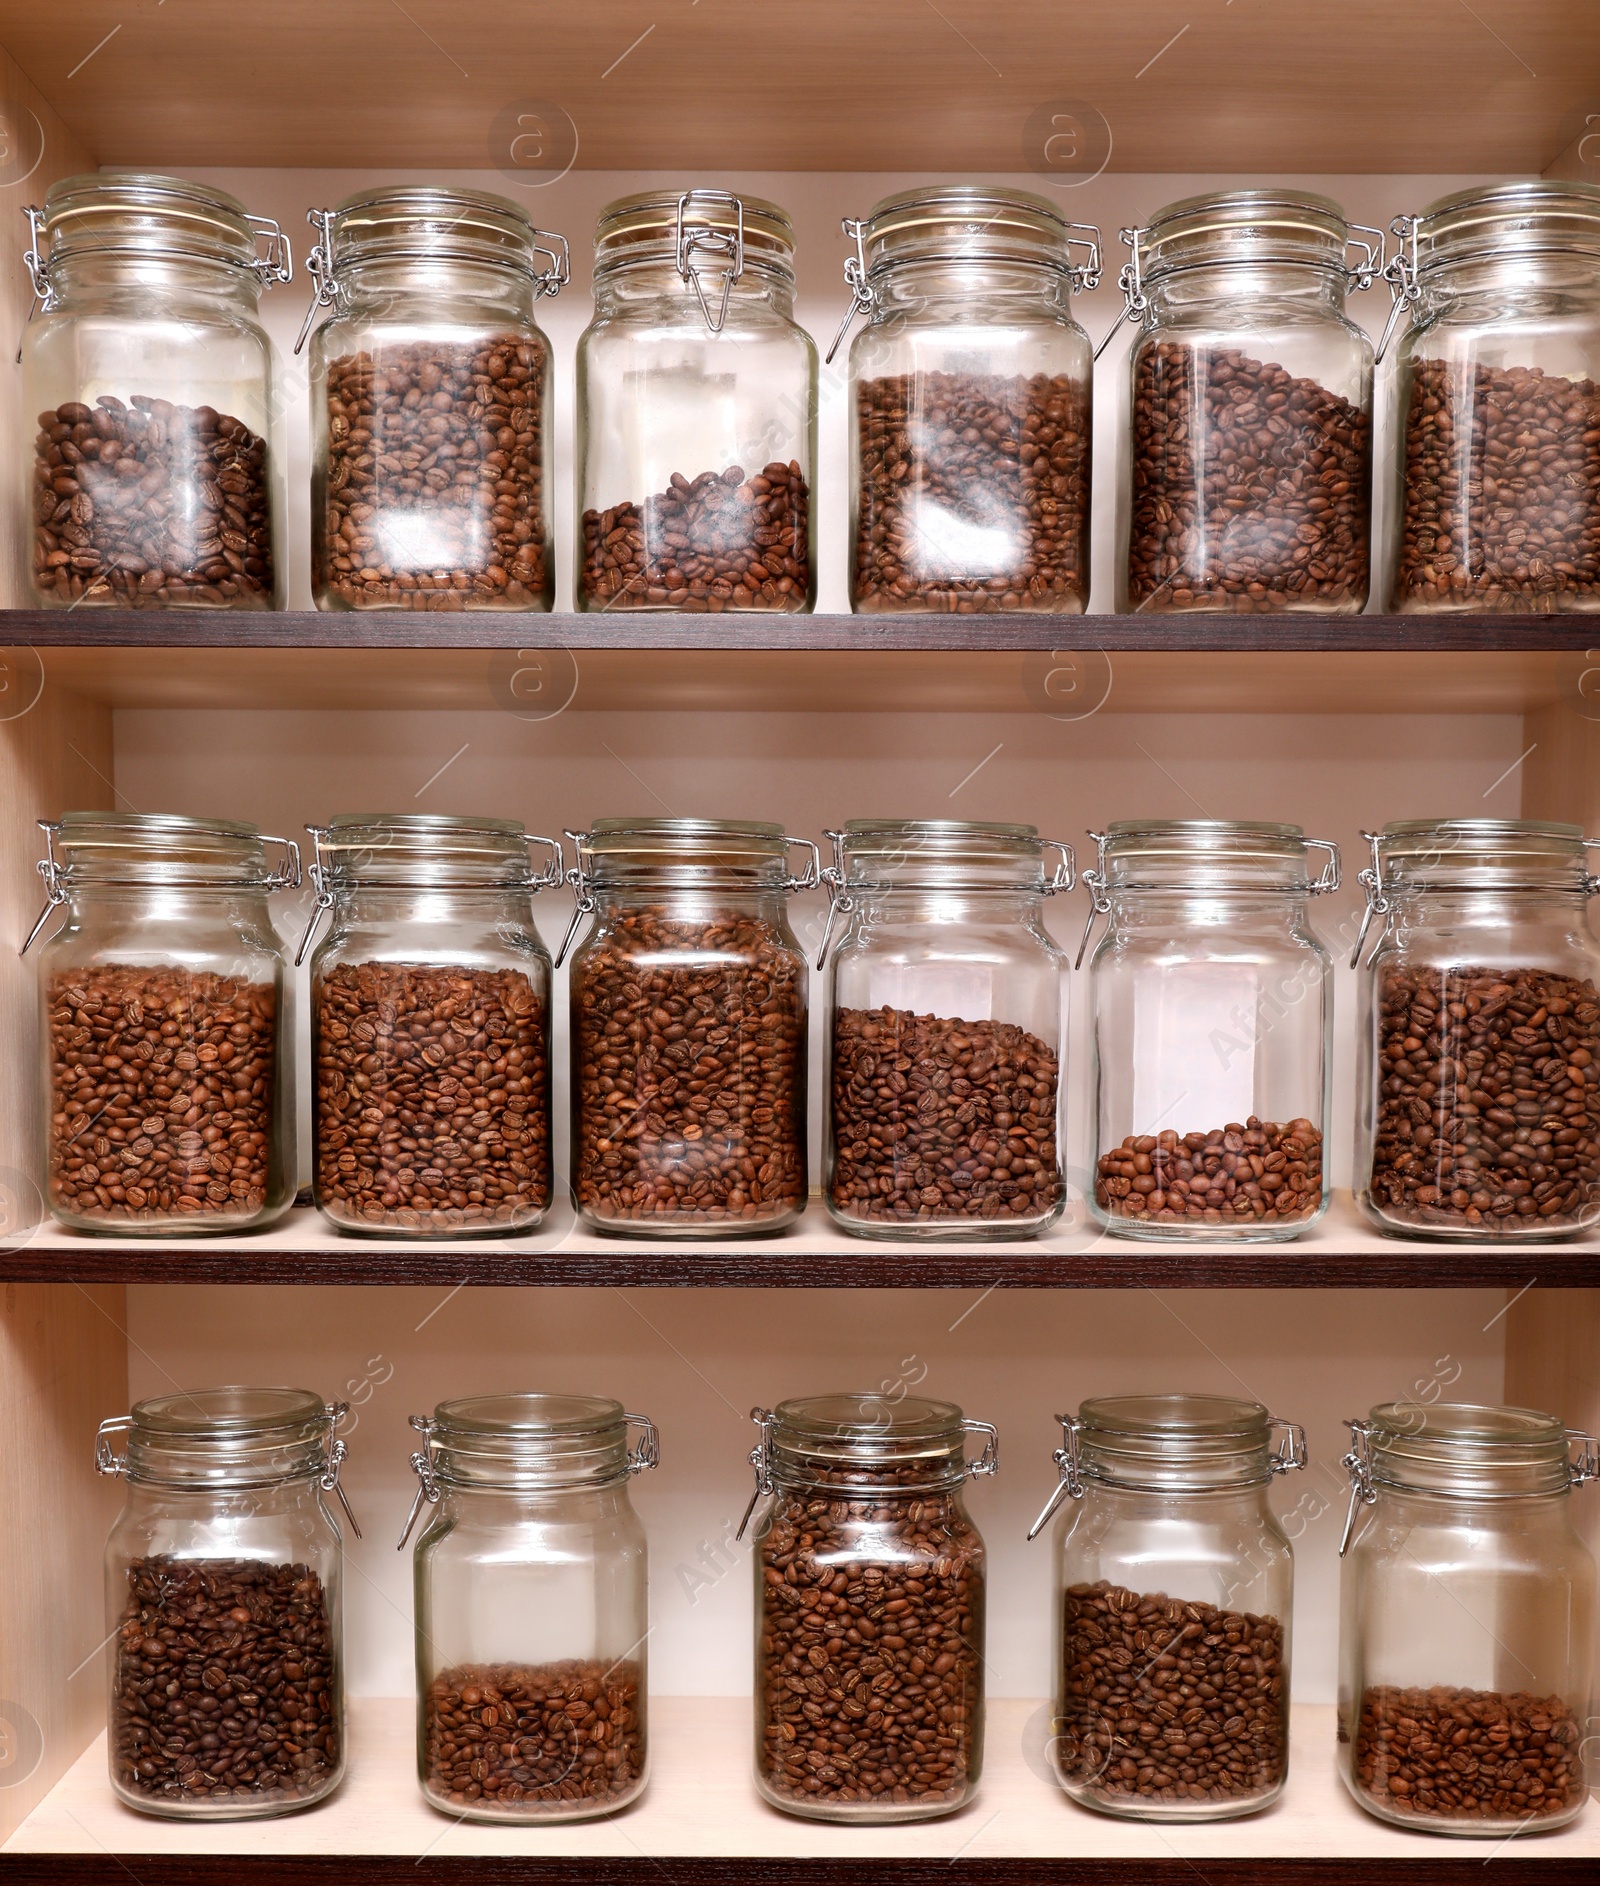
<point>863,296</point>
<point>1131,281</point>
<point>319,266</point>
<point>714,243</point>
<point>1358,1464</point>
<point>761,1461</point>
<point>1402,273</point>
<point>1069,1460</point>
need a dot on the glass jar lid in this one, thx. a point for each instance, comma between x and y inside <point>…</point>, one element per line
<point>1419,855</point>
<point>618,852</point>
<point>1532,216</point>
<point>910,854</point>
<point>867,1443</point>
<point>1211,855</point>
<point>404,848</point>
<point>972,223</point>
<point>134,214</point>
<point>1251,226</point>
<point>695,228</point>
<point>225,1438</point>
<point>1465,1451</point>
<point>528,1443</point>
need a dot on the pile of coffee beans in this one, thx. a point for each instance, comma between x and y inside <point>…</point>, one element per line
<point>161,1095</point>
<point>949,460</point>
<point>530,1738</point>
<point>1453,1754</point>
<point>1239,1174</point>
<point>149,505</point>
<point>435,481</point>
<point>936,1119</point>
<point>689,1072</point>
<point>224,1683</point>
<point>717,541</point>
<point>1170,1702</point>
<point>1487,1098</point>
<point>432,1097</point>
<point>1501,507</point>
<point>1251,487</point>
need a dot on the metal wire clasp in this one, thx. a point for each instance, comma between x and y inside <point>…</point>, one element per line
<point>648,1453</point>
<point>863,296</point>
<point>1358,1464</point>
<point>1291,1456</point>
<point>761,1461</point>
<point>1069,1461</point>
<point>988,1462</point>
<point>49,868</point>
<point>1095,881</point>
<point>277,264</point>
<point>337,1450</point>
<point>319,266</point>
<point>581,877</point>
<point>106,1459</point>
<point>840,902</point>
<point>1370,878</point>
<point>1130,279</point>
<point>1587,1466</point>
<point>429,1491</point>
<point>714,243</point>
<point>1401,272</point>
<point>1361,274</point>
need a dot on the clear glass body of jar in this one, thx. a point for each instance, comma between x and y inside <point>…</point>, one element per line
<point>1479,1081</point>
<point>1467,1621</point>
<point>154,480</point>
<point>1250,447</point>
<point>532,1608</point>
<point>971,386</point>
<point>1174,1600</point>
<point>1212,1002</point>
<point>946,1035</point>
<point>168,1067</point>
<point>430,400</point>
<point>430,1027</point>
<point>854,1720</point>
<point>688,1029</point>
<point>224,1582</point>
<point>697,411</point>
<point>1497,461</point>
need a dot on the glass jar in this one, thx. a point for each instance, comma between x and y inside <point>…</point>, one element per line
<point>1479,1085</point>
<point>168,1066</point>
<point>1466,1635</point>
<point>697,410</point>
<point>1213,1011</point>
<point>430,389</point>
<point>532,1608</point>
<point>688,1007</point>
<point>1250,471</point>
<point>224,1579</point>
<point>1498,407</point>
<point>946,1037</point>
<point>430,1027</point>
<point>869,1616</point>
<point>971,385</point>
<point>154,481</point>
<point>1174,1598</point>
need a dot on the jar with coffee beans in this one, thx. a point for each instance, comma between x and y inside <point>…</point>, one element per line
<point>1479,1081</point>
<point>945,1041</point>
<point>532,1607</point>
<point>224,1580</point>
<point>1212,1016</point>
<point>697,411</point>
<point>971,386</point>
<point>688,1029</point>
<point>149,379</point>
<point>1467,1634</point>
<point>430,394</point>
<point>168,1076</point>
<point>869,1617</point>
<point>430,1026</point>
<point>1249,463</point>
<point>1174,1592</point>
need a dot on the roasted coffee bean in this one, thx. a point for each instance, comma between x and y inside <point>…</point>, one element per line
<point>1251,487</point>
<point>1258,1172</point>
<point>435,486</point>
<point>950,460</point>
<point>224,1682</point>
<point>713,542</point>
<point>1501,505</point>
<point>432,1098</point>
<point>519,1736</point>
<point>1169,1701</point>
<point>149,505</point>
<point>161,1095</point>
<point>1488,1114</point>
<point>1450,1754</point>
<point>935,1118</point>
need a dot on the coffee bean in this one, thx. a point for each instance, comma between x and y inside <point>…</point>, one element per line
<point>1231,1175</point>
<point>945,455</point>
<point>1445,1754</point>
<point>151,506</point>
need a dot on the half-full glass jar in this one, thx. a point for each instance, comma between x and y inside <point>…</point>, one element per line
<point>1250,462</point>
<point>430,1026</point>
<point>224,1579</point>
<point>688,1026</point>
<point>1498,401</point>
<point>430,397</point>
<point>971,384</point>
<point>1478,1093</point>
<point>1174,1596</point>
<point>154,480</point>
<point>946,1030</point>
<point>1212,1016</point>
<point>168,1069</point>
<point>1466,1637</point>
<point>697,410</point>
<point>869,1615</point>
<point>532,1608</point>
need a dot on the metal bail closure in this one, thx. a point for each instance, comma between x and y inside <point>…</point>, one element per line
<point>1401,273</point>
<point>1100,904</point>
<point>33,261</point>
<point>840,902</point>
<point>761,1461</point>
<point>1066,872</point>
<point>428,1488</point>
<point>323,902</point>
<point>1370,878</point>
<point>711,243</point>
<point>336,1412</point>
<point>552,280</point>
<point>1130,280</point>
<point>988,1462</point>
<point>648,1453</point>
<point>1587,1466</point>
<point>106,1458</point>
<point>1358,1464</point>
<point>582,882</point>
<point>1291,1456</point>
<point>319,266</point>
<point>863,296</point>
<point>49,868</point>
<point>1070,1463</point>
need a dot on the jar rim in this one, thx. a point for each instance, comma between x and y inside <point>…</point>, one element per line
<point>1467,1449</point>
<point>867,1417</point>
<point>529,1414</point>
<point>1174,1443</point>
<point>420,850</point>
<point>420,221</point>
<point>1483,854</point>
<point>1176,1416</point>
<point>1271,225</point>
<point>235,1411</point>
<point>643,228</point>
<point>1210,855</point>
<point>102,212</point>
<point>616,852</point>
<point>967,223</point>
<point>1520,217</point>
<point>97,848</point>
<point>967,855</point>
